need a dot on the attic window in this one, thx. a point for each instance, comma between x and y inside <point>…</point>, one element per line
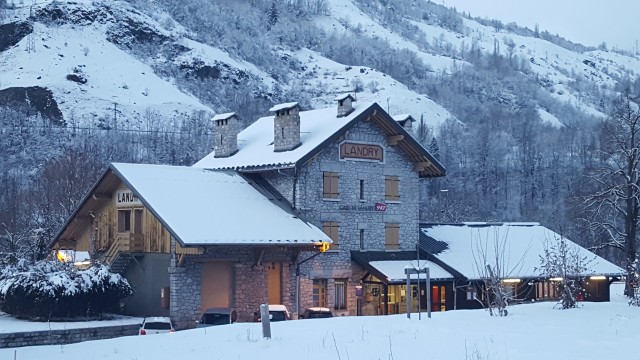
<point>340,102</point>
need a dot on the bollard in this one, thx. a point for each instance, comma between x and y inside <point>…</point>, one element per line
<point>265,320</point>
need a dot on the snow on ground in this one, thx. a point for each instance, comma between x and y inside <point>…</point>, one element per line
<point>9,324</point>
<point>324,79</point>
<point>532,331</point>
<point>346,15</point>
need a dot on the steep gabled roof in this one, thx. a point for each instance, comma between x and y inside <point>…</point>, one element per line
<point>318,128</point>
<point>202,207</point>
<point>521,244</point>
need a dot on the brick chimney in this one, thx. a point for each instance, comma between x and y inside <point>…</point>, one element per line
<point>286,126</point>
<point>345,104</point>
<point>227,127</point>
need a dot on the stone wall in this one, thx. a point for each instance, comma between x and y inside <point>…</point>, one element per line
<point>249,281</point>
<point>67,336</point>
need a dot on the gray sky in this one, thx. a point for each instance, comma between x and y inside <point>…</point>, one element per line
<point>590,22</point>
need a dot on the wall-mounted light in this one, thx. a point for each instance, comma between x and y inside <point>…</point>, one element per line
<point>556,279</point>
<point>598,277</point>
<point>511,280</point>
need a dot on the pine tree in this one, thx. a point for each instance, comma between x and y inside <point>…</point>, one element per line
<point>273,14</point>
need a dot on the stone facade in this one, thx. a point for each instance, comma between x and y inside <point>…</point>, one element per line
<point>66,336</point>
<point>286,129</point>
<point>248,285</point>
<point>348,211</point>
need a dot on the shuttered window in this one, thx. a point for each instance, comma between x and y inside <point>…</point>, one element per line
<point>331,229</point>
<point>392,236</point>
<point>392,188</point>
<point>330,185</point>
<point>124,221</point>
<point>340,289</point>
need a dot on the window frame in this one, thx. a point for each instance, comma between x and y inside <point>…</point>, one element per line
<point>392,236</point>
<point>340,294</point>
<point>332,230</point>
<point>319,291</point>
<point>392,188</point>
<point>124,221</point>
<point>330,185</point>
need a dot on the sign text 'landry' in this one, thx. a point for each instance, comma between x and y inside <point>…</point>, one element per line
<point>350,150</point>
<point>126,198</point>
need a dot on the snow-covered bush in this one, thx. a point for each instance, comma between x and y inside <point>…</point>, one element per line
<point>50,290</point>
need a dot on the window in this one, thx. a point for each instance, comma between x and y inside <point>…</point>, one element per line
<point>391,188</point>
<point>361,190</point>
<point>330,185</point>
<point>340,287</point>
<point>361,239</point>
<point>392,236</point>
<point>472,294</point>
<point>331,229</point>
<point>124,221</point>
<point>320,293</point>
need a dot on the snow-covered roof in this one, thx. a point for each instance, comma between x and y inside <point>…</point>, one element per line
<point>255,143</point>
<point>204,207</point>
<point>343,96</point>
<point>394,269</point>
<point>403,117</point>
<point>223,116</point>
<point>460,246</point>
<point>284,106</point>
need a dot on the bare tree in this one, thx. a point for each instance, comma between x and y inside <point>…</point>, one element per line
<point>564,262</point>
<point>614,206</point>
<point>498,271</point>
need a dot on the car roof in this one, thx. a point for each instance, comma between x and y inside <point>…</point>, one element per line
<point>157,319</point>
<point>277,307</point>
<point>322,309</point>
<point>218,311</point>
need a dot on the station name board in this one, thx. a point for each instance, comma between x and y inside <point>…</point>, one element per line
<point>361,151</point>
<point>126,198</point>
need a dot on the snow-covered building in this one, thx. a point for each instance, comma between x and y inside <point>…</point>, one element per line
<point>244,224</point>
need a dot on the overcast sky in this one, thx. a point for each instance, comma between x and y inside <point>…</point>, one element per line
<point>590,22</point>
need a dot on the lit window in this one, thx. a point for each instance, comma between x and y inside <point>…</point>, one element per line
<point>340,287</point>
<point>392,236</point>
<point>124,221</point>
<point>320,293</point>
<point>392,188</point>
<point>331,229</point>
<point>330,185</point>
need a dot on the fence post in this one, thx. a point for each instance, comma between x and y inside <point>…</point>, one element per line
<point>266,322</point>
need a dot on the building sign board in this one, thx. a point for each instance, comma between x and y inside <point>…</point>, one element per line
<point>350,150</point>
<point>364,208</point>
<point>126,198</point>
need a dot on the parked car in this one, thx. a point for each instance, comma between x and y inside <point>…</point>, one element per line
<point>316,313</point>
<point>217,316</point>
<point>276,313</point>
<point>156,325</point>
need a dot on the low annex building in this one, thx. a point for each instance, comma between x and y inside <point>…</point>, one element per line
<point>243,225</point>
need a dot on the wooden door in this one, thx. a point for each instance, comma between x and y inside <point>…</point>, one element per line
<point>438,298</point>
<point>215,285</point>
<point>274,281</point>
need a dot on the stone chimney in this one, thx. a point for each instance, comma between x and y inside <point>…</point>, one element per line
<point>227,127</point>
<point>345,104</point>
<point>286,129</point>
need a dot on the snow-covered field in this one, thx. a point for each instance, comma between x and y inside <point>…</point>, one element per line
<point>533,331</point>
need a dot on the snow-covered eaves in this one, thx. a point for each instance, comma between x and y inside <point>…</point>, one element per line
<point>394,270</point>
<point>204,207</point>
<point>285,106</point>
<point>224,116</point>
<point>519,246</point>
<point>318,128</point>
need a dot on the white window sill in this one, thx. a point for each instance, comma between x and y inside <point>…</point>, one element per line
<point>393,201</point>
<point>332,200</point>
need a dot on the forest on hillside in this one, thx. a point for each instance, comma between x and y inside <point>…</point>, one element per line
<point>503,162</point>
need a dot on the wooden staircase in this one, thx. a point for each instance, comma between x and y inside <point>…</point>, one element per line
<point>119,254</point>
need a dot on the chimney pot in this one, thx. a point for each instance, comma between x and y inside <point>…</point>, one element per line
<point>345,104</point>
<point>227,127</point>
<point>286,126</point>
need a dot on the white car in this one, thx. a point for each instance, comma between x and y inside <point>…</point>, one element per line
<point>156,325</point>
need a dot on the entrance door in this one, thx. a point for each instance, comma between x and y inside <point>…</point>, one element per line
<point>215,285</point>
<point>275,283</point>
<point>438,298</point>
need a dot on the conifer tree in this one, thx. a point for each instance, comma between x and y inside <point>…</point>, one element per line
<point>273,14</point>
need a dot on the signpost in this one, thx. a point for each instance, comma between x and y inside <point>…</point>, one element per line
<point>408,271</point>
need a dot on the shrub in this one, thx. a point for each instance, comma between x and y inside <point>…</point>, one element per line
<point>50,290</point>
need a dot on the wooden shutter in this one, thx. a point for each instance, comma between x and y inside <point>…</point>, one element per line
<point>330,185</point>
<point>392,236</point>
<point>392,188</point>
<point>331,228</point>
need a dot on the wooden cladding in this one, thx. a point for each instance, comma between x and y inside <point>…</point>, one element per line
<point>392,188</point>
<point>392,236</point>
<point>330,185</point>
<point>331,228</point>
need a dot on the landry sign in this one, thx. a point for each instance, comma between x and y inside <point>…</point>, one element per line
<point>126,198</point>
<point>359,151</point>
